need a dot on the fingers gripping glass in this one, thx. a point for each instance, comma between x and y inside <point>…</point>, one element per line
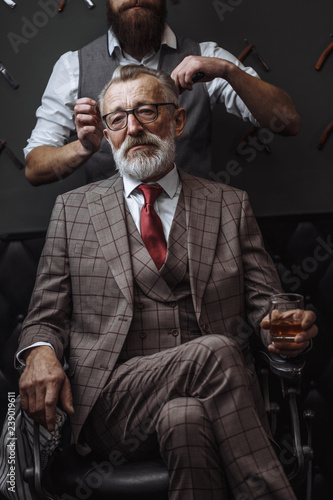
<point>145,113</point>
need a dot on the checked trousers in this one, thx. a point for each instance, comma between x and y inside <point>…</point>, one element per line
<point>193,405</point>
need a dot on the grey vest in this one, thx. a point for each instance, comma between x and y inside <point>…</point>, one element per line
<point>193,151</point>
<point>164,315</point>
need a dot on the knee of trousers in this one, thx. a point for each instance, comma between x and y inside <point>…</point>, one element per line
<point>214,348</point>
<point>215,342</point>
<point>178,416</point>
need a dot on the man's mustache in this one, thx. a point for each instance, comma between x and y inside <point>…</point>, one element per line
<point>134,3</point>
<point>131,142</point>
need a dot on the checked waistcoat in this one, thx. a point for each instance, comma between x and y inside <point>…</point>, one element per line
<point>164,315</point>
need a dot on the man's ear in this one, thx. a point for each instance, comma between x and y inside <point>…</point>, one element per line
<point>179,121</point>
<point>106,135</point>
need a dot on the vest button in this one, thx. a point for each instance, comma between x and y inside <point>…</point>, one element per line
<point>205,328</point>
<point>172,304</point>
<point>140,305</point>
<point>174,332</point>
<point>143,335</point>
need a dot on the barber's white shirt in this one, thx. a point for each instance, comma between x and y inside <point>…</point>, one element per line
<point>165,206</point>
<point>55,116</point>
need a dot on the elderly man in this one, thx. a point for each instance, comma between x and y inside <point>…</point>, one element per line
<point>145,284</point>
<point>138,34</point>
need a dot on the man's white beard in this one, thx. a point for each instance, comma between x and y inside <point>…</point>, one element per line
<point>144,164</point>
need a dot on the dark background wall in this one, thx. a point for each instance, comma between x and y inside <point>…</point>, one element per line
<point>295,178</point>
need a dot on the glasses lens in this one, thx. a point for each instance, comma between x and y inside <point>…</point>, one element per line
<point>117,120</point>
<point>146,113</point>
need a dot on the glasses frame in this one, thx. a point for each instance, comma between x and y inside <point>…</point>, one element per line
<point>133,112</point>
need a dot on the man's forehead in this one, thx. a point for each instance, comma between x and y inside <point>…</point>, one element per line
<point>144,89</point>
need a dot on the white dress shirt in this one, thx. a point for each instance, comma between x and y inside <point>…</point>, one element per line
<point>165,205</point>
<point>55,116</point>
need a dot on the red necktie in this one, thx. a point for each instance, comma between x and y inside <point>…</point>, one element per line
<point>151,225</point>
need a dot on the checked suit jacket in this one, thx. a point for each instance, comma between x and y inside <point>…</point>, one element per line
<point>83,297</point>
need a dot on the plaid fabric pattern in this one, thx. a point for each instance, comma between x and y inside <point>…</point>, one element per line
<point>84,292</point>
<point>192,403</point>
<point>171,314</point>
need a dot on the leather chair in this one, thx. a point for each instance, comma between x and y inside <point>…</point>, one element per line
<point>96,478</point>
<point>301,250</point>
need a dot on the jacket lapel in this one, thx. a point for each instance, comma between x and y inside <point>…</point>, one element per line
<point>107,210</point>
<point>203,218</point>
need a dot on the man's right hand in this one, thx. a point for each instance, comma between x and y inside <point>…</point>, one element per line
<point>42,384</point>
<point>89,125</point>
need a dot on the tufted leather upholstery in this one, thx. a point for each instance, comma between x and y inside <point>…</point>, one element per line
<point>302,249</point>
<point>19,256</point>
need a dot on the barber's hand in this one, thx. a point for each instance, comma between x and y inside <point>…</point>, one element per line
<point>212,67</point>
<point>42,384</point>
<point>302,339</point>
<point>88,124</point>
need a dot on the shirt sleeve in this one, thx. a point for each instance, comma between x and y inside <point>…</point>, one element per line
<point>220,91</point>
<point>55,115</point>
<point>36,344</point>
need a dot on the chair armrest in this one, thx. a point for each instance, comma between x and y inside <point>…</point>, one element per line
<point>286,368</point>
<point>33,475</point>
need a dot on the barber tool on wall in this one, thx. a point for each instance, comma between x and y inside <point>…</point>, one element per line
<point>62,4</point>
<point>252,134</point>
<point>251,49</point>
<point>10,3</point>
<point>8,77</point>
<point>325,135</point>
<point>324,55</point>
<point>11,155</point>
<point>245,52</point>
<point>89,4</point>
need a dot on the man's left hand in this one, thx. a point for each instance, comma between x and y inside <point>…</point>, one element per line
<point>302,339</point>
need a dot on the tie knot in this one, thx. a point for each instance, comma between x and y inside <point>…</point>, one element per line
<point>150,192</point>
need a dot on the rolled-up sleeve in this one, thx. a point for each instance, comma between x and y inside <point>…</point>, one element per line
<point>55,115</point>
<point>220,91</point>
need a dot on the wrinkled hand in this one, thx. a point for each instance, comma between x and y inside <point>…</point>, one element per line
<point>42,384</point>
<point>302,339</point>
<point>89,125</point>
<point>212,67</point>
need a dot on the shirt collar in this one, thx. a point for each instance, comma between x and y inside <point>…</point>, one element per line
<point>168,38</point>
<point>169,183</point>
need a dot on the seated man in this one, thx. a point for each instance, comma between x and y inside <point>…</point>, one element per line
<point>146,283</point>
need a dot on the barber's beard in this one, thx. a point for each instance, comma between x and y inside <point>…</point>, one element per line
<point>138,31</point>
<point>144,164</point>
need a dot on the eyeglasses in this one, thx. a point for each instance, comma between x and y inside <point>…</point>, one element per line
<point>145,113</point>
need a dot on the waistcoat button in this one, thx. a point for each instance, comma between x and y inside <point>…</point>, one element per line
<point>174,332</point>
<point>140,305</point>
<point>143,335</point>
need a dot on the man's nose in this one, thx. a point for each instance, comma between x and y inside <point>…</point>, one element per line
<point>134,127</point>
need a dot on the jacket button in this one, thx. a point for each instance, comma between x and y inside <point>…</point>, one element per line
<point>143,335</point>
<point>174,332</point>
<point>206,328</point>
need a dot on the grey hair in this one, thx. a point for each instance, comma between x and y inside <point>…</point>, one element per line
<point>133,71</point>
